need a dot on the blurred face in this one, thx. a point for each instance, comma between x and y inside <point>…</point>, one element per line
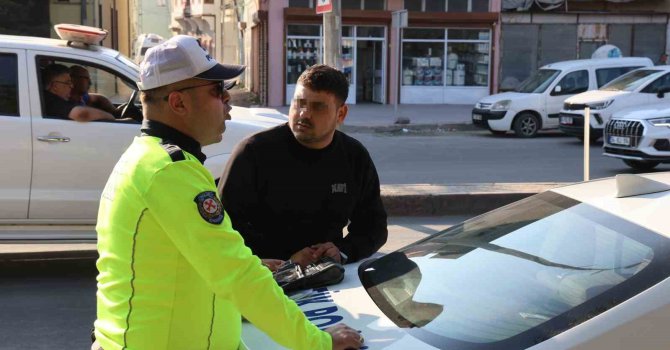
<point>61,86</point>
<point>210,108</point>
<point>81,80</point>
<point>314,116</point>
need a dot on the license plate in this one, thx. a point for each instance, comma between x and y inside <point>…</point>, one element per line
<point>566,120</point>
<point>476,117</point>
<point>619,140</point>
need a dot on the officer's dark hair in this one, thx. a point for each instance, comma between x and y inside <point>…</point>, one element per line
<point>321,77</point>
<point>52,71</point>
<point>152,95</point>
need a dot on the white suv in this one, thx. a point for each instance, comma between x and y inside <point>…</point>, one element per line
<point>639,136</point>
<point>638,88</point>
<point>54,170</point>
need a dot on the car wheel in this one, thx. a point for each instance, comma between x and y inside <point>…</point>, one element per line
<point>642,165</point>
<point>526,125</point>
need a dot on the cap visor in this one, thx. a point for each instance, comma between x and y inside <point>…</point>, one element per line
<point>221,72</point>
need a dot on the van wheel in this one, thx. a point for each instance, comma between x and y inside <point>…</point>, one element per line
<point>642,165</point>
<point>526,125</point>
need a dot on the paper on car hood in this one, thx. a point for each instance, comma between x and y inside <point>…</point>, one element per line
<point>346,302</point>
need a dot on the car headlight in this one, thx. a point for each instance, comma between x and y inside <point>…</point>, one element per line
<point>600,105</point>
<point>665,121</point>
<point>501,105</point>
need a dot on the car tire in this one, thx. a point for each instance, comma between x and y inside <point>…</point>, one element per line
<point>642,165</point>
<point>526,125</point>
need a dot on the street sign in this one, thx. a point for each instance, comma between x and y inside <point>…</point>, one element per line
<point>399,19</point>
<point>324,6</point>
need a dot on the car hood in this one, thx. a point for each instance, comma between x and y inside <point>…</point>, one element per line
<point>594,96</point>
<point>642,113</point>
<point>510,95</point>
<point>244,122</point>
<point>346,302</point>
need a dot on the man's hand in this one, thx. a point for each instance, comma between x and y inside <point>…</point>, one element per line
<point>272,264</point>
<point>345,337</point>
<point>327,249</point>
<point>305,256</point>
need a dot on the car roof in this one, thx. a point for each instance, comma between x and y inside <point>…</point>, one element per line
<point>645,210</point>
<point>598,62</point>
<point>54,45</point>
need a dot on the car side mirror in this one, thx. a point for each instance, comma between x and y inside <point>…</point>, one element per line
<point>557,89</point>
<point>661,93</point>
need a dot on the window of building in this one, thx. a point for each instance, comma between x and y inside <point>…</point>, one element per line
<point>447,5</point>
<point>300,3</point>
<point>363,4</point>
<point>303,49</point>
<point>9,83</point>
<point>464,63</point>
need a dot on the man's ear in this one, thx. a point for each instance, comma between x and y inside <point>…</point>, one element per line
<point>342,113</point>
<point>176,103</point>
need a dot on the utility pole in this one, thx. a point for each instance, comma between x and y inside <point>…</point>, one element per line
<point>332,35</point>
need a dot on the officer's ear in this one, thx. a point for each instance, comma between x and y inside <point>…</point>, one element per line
<point>175,102</point>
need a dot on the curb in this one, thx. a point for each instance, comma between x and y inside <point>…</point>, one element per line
<point>409,128</point>
<point>468,199</point>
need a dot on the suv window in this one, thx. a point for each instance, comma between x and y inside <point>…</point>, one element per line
<point>106,90</point>
<point>662,83</point>
<point>605,75</point>
<point>9,82</point>
<point>573,83</point>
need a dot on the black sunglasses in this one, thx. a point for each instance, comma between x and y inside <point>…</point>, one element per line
<point>219,89</point>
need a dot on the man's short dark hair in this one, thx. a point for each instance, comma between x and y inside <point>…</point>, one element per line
<point>321,77</point>
<point>52,71</point>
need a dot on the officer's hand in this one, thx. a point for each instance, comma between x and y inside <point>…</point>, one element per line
<point>327,249</point>
<point>345,337</point>
<point>304,257</point>
<point>272,264</point>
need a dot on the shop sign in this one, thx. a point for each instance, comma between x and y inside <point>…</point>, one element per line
<point>324,6</point>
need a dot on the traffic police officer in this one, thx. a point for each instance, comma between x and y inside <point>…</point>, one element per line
<point>173,274</point>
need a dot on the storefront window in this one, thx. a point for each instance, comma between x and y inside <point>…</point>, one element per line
<point>480,5</point>
<point>303,49</point>
<point>468,64</point>
<point>348,58</point>
<point>422,63</point>
<point>465,62</point>
<point>347,31</point>
<point>370,32</point>
<point>423,34</point>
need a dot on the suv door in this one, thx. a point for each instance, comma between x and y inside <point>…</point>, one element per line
<point>68,177</point>
<point>15,156</point>
<point>571,84</point>
<point>661,84</point>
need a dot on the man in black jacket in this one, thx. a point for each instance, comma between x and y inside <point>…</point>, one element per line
<point>291,190</point>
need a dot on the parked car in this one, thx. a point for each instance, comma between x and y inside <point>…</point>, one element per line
<point>536,103</point>
<point>639,136</point>
<point>583,266</point>
<point>54,170</point>
<point>143,43</point>
<point>638,88</point>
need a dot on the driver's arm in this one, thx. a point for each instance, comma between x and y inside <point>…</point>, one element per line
<point>102,102</point>
<point>87,114</point>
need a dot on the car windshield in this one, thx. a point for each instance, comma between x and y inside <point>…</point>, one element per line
<point>539,81</point>
<point>515,276</point>
<point>632,80</point>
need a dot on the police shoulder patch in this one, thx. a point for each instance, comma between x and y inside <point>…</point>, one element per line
<point>209,207</point>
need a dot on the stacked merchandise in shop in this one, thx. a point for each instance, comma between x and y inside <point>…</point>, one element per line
<point>300,54</point>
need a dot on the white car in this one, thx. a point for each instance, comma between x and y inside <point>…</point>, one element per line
<point>583,266</point>
<point>54,170</point>
<point>537,101</point>
<point>639,136</point>
<point>638,88</point>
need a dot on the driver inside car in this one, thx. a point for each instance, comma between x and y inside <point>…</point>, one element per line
<point>81,83</point>
<point>57,91</point>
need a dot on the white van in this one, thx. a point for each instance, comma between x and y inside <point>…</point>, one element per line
<point>640,136</point>
<point>536,103</point>
<point>145,42</point>
<point>638,88</point>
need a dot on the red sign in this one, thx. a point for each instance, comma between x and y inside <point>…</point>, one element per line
<point>324,6</point>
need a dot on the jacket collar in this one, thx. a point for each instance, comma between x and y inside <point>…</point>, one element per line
<point>173,136</point>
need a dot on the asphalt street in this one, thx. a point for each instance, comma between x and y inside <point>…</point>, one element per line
<point>50,304</point>
<point>444,157</point>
